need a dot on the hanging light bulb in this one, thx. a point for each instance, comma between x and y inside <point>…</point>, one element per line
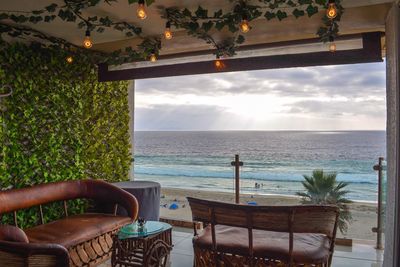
<point>244,25</point>
<point>332,45</point>
<point>153,57</point>
<point>87,43</point>
<point>218,63</point>
<point>69,59</point>
<point>141,11</point>
<point>331,12</point>
<point>167,32</point>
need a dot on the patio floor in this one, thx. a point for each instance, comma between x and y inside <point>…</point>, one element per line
<point>360,255</point>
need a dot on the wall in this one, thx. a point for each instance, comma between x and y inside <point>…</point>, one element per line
<point>392,227</point>
<point>60,123</point>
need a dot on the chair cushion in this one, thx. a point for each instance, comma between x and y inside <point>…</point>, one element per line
<point>75,229</point>
<point>307,248</point>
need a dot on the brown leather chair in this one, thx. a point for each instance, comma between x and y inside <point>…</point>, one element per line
<point>77,240</point>
<point>244,235</point>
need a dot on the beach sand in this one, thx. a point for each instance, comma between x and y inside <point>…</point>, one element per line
<point>364,214</point>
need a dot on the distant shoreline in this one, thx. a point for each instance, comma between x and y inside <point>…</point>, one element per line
<point>247,195</point>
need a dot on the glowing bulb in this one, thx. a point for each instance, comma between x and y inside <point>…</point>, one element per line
<point>69,59</point>
<point>331,12</point>
<point>167,32</point>
<point>141,12</point>
<point>87,43</point>
<point>244,26</point>
<point>332,47</point>
<point>153,57</point>
<point>219,64</point>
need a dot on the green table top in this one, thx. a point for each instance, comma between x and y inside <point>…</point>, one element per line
<point>151,228</point>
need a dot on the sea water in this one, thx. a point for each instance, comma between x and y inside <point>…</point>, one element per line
<point>276,160</point>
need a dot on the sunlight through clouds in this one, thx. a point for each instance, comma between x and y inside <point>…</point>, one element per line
<point>348,97</point>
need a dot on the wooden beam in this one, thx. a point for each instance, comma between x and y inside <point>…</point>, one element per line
<point>371,52</point>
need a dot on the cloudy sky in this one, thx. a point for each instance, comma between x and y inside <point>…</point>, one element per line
<point>348,97</point>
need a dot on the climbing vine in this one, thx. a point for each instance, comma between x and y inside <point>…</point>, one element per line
<point>200,23</point>
<point>59,123</point>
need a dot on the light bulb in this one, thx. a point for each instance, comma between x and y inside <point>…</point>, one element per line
<point>141,12</point>
<point>69,59</point>
<point>87,43</point>
<point>153,57</point>
<point>331,12</point>
<point>219,64</point>
<point>332,47</point>
<point>167,32</point>
<point>244,26</point>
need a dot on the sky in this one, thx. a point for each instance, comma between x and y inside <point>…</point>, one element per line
<point>348,97</point>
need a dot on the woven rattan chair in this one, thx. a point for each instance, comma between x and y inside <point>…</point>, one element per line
<point>80,240</point>
<point>244,235</point>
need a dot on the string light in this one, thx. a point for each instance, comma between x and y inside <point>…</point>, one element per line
<point>141,11</point>
<point>153,57</point>
<point>167,32</point>
<point>331,12</point>
<point>219,64</point>
<point>69,59</point>
<point>332,45</point>
<point>87,43</point>
<point>244,25</point>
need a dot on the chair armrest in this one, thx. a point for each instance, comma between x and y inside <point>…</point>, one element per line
<point>12,233</point>
<point>26,250</point>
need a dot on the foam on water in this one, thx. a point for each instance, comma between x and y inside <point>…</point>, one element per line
<point>201,160</point>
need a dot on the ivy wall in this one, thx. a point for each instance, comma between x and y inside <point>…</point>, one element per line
<point>59,123</point>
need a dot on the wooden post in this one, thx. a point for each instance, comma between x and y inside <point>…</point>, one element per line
<point>378,229</point>
<point>237,164</point>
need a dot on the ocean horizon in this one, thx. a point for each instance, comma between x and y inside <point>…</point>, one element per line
<point>277,160</point>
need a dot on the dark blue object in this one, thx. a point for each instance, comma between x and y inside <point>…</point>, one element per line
<point>173,206</point>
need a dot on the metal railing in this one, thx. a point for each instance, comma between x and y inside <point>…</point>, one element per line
<point>379,229</point>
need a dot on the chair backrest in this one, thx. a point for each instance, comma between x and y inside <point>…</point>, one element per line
<point>292,219</point>
<point>16,199</point>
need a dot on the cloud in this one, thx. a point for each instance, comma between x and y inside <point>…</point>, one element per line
<point>331,96</point>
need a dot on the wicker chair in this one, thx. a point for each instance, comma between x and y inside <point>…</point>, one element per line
<point>73,241</point>
<point>244,235</point>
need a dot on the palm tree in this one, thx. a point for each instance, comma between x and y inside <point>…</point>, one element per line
<point>323,188</point>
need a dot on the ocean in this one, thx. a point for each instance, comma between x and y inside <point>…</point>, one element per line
<point>275,159</point>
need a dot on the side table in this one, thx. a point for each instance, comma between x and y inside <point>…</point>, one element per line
<point>149,249</point>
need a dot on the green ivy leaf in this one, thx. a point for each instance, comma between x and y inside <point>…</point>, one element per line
<point>201,12</point>
<point>186,12</point>
<point>240,39</point>
<point>219,25</point>
<point>206,26</point>
<point>281,15</point>
<point>218,13</point>
<point>269,15</point>
<point>51,8</point>
<point>311,10</point>
<point>298,13</point>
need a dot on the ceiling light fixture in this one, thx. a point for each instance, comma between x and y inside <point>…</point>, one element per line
<point>87,43</point>
<point>167,32</point>
<point>244,25</point>
<point>331,12</point>
<point>141,11</point>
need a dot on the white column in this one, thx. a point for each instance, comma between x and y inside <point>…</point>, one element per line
<point>392,227</point>
<point>131,103</point>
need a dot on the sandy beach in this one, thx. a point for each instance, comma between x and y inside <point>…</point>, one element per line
<point>364,214</point>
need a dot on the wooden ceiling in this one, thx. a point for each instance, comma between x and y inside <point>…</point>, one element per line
<point>360,16</point>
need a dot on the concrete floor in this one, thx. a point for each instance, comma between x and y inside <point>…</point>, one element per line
<point>359,255</point>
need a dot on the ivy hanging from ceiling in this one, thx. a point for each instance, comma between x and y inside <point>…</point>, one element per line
<point>200,23</point>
